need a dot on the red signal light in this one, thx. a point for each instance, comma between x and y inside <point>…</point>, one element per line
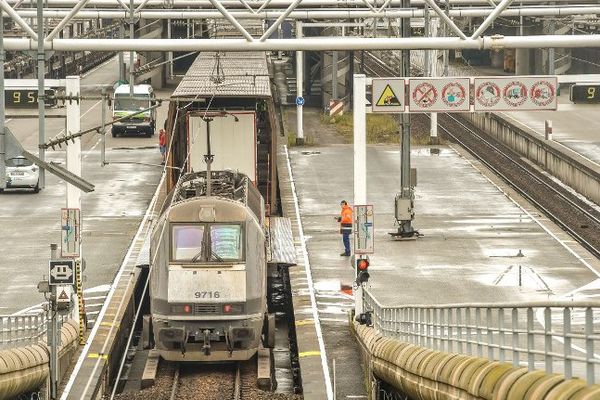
<point>363,264</point>
<point>227,308</point>
<point>187,309</point>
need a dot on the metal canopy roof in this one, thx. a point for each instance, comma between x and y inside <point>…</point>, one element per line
<point>241,75</point>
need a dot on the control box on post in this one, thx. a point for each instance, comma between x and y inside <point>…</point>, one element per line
<point>404,208</point>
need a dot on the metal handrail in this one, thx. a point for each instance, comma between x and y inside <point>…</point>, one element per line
<point>23,329</point>
<point>540,334</point>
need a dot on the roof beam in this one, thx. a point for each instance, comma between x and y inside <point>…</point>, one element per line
<point>312,14</point>
<point>66,19</point>
<point>310,43</point>
<point>15,17</point>
<point>232,20</point>
<point>446,18</point>
<point>491,18</point>
<point>279,20</point>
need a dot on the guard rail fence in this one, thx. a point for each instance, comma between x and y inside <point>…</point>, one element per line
<point>556,336</point>
<point>22,330</point>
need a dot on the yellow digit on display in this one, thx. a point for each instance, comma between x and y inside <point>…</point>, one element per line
<point>591,92</point>
<point>31,97</point>
<point>17,97</point>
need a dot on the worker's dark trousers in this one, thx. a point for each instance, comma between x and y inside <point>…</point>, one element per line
<point>346,238</point>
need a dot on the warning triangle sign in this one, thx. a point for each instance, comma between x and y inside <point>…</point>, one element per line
<point>388,98</point>
<point>63,295</point>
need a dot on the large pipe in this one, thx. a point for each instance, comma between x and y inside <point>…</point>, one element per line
<point>280,3</point>
<point>308,44</point>
<point>28,365</point>
<point>311,14</point>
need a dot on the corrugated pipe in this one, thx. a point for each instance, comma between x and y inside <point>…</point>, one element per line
<point>425,374</point>
<point>25,369</point>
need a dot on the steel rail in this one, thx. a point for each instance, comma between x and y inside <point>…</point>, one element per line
<point>175,385</point>
<point>237,385</point>
<point>595,251</point>
<point>533,175</point>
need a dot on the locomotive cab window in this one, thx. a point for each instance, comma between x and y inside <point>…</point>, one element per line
<point>226,242</point>
<point>207,243</point>
<point>187,242</point>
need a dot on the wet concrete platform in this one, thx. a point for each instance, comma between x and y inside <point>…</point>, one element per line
<point>29,222</point>
<point>574,126</point>
<point>473,228</point>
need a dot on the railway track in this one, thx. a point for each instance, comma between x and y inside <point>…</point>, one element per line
<point>560,204</point>
<point>207,382</point>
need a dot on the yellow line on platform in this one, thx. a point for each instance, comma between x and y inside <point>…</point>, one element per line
<point>96,355</point>
<point>309,353</point>
<point>303,322</point>
<point>106,324</point>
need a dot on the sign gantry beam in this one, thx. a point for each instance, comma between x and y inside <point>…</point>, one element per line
<point>341,13</point>
<point>329,43</point>
<point>283,3</point>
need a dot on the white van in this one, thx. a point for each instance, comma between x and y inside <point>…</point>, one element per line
<point>123,104</point>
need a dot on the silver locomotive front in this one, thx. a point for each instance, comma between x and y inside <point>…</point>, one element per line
<point>208,281</point>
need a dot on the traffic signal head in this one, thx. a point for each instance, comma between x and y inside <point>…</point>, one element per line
<point>362,270</point>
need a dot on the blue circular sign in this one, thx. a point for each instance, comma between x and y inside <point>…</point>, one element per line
<point>299,101</point>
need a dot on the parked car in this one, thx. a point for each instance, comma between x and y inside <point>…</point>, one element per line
<point>22,173</point>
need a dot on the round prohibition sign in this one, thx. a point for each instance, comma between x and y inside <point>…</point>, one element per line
<point>515,93</point>
<point>453,94</point>
<point>424,95</point>
<point>488,94</point>
<point>542,93</point>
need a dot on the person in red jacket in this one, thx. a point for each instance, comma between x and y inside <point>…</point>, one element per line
<point>345,220</point>
<point>162,143</point>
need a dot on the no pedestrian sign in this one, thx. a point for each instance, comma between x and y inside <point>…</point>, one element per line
<point>515,93</point>
<point>456,94</point>
<point>388,95</point>
<point>439,94</point>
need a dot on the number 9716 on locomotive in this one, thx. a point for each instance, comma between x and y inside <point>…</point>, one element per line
<point>208,271</point>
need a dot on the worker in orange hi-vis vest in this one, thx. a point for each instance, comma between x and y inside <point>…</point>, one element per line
<point>345,220</point>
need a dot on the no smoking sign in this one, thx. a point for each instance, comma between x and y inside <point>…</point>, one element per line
<point>439,94</point>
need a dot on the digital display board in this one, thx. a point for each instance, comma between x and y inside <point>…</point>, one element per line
<point>585,93</point>
<point>25,98</point>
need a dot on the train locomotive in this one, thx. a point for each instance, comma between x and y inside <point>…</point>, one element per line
<point>208,277</point>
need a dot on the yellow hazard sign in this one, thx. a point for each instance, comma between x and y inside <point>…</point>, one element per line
<point>388,98</point>
<point>388,95</point>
